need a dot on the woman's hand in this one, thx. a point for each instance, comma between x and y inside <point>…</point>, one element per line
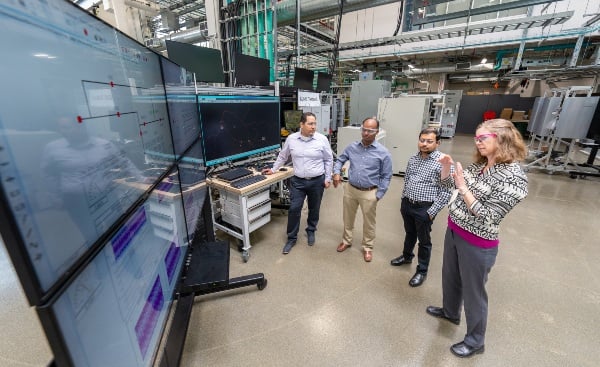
<point>459,178</point>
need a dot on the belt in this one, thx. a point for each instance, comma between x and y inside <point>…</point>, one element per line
<point>364,188</point>
<point>310,178</point>
<point>419,203</point>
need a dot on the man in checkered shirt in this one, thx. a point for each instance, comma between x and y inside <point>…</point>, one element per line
<point>422,198</point>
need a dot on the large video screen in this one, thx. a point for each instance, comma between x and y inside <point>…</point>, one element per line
<point>303,78</point>
<point>86,111</point>
<point>236,127</point>
<point>192,175</point>
<point>113,312</point>
<point>205,62</point>
<point>323,82</point>
<point>182,106</point>
<point>250,70</point>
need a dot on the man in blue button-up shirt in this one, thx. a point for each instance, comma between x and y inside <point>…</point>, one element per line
<point>312,160</point>
<point>369,177</point>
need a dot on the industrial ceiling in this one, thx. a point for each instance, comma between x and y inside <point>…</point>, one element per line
<point>319,20</point>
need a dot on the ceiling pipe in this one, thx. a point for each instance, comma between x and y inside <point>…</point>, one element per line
<point>445,68</point>
<point>193,35</point>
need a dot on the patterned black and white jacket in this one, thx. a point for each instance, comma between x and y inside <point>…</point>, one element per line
<point>497,191</point>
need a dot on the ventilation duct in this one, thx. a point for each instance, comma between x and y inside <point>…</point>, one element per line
<point>193,35</point>
<point>463,66</point>
<point>445,68</point>
<point>472,77</point>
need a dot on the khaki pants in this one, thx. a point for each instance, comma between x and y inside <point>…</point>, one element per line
<point>353,198</point>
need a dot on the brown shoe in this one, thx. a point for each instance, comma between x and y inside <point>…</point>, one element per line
<point>368,255</point>
<point>343,246</point>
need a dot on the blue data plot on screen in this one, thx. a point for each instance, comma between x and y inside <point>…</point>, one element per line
<point>87,113</point>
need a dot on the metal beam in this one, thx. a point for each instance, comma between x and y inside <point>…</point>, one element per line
<point>447,32</point>
<point>576,51</point>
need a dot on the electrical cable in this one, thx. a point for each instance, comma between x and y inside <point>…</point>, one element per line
<point>399,24</point>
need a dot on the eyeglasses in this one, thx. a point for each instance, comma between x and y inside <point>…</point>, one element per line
<point>483,137</point>
<point>426,141</point>
<point>369,131</point>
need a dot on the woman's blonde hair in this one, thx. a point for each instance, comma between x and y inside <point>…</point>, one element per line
<point>511,146</point>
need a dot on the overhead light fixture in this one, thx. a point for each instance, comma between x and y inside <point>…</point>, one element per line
<point>484,60</point>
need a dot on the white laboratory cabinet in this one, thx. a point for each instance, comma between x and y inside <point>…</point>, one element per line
<point>364,98</point>
<point>403,119</point>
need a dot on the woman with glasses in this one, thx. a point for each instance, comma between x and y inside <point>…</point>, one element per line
<point>485,192</point>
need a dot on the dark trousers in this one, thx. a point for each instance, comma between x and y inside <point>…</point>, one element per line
<point>464,274</point>
<point>417,226</point>
<point>301,189</point>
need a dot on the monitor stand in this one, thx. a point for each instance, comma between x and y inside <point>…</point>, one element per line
<point>206,271</point>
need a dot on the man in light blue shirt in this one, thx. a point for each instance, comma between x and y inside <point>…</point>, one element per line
<point>369,177</point>
<point>312,160</point>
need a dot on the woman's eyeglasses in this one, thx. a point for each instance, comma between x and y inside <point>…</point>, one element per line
<point>483,137</point>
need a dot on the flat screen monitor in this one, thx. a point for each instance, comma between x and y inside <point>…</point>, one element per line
<point>182,107</point>
<point>86,109</point>
<point>205,62</point>
<point>303,78</point>
<point>291,118</point>
<point>93,210</point>
<point>323,82</point>
<point>236,127</point>
<point>114,311</point>
<point>250,70</point>
<point>192,175</point>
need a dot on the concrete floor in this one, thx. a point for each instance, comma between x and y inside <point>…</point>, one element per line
<point>323,308</point>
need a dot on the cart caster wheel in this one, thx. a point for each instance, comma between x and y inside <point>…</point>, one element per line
<point>573,176</point>
<point>262,285</point>
<point>245,256</point>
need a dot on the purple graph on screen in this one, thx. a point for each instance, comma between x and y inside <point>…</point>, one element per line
<point>146,324</point>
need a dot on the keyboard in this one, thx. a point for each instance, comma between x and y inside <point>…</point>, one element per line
<point>247,181</point>
<point>234,174</point>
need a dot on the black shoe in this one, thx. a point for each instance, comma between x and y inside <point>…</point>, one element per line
<point>463,351</point>
<point>310,235</point>
<point>439,312</point>
<point>288,247</point>
<point>401,260</point>
<point>417,279</point>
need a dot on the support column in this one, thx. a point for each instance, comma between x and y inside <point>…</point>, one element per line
<point>212,23</point>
